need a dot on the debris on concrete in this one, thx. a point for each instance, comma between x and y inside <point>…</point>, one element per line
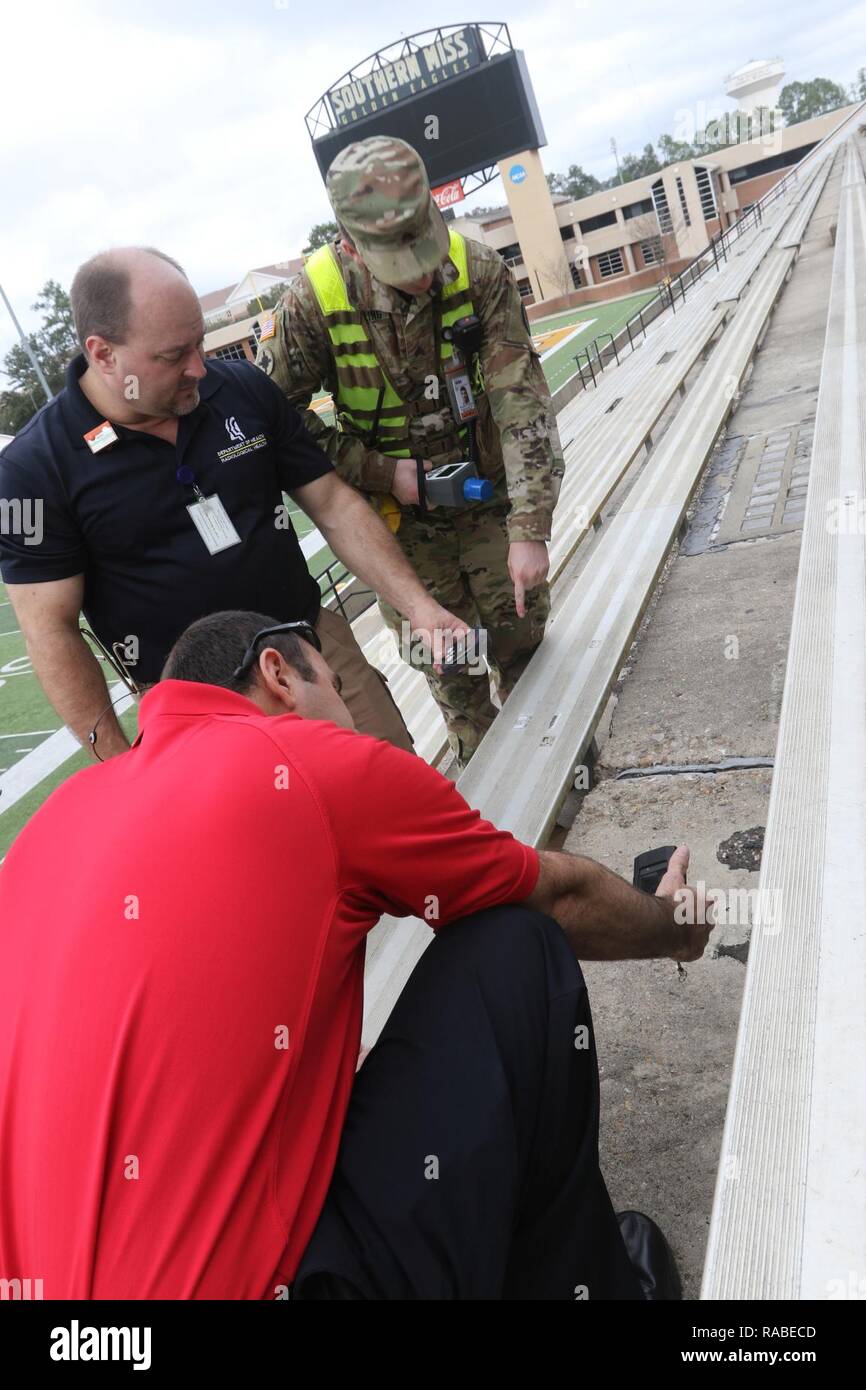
<point>743,849</point>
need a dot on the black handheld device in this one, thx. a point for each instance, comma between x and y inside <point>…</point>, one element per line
<point>464,650</point>
<point>650,868</point>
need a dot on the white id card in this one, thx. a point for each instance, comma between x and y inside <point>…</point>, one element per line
<point>213,524</point>
<point>462,400</point>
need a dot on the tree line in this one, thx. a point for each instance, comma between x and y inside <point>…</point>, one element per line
<point>798,101</point>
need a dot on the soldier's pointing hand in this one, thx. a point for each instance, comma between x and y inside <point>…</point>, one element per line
<point>528,564</point>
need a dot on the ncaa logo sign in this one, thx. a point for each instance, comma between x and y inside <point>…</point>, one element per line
<point>517,173</point>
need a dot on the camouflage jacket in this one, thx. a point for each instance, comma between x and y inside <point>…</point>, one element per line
<point>516,431</point>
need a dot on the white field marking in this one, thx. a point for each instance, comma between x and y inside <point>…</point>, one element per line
<point>544,325</point>
<point>13,632</point>
<point>312,544</point>
<point>573,377</point>
<point>47,757</point>
<point>575,332</point>
<point>32,733</point>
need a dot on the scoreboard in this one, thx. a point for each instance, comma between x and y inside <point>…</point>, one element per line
<point>460,109</point>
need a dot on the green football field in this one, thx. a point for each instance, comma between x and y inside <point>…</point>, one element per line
<point>595,318</point>
<point>36,755</point>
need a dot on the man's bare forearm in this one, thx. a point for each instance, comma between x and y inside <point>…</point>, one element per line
<point>360,467</point>
<point>603,917</point>
<point>367,548</point>
<point>71,677</point>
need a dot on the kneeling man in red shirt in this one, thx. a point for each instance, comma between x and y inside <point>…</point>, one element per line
<point>182,941</point>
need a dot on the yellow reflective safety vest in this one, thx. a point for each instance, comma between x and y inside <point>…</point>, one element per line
<point>366,403</point>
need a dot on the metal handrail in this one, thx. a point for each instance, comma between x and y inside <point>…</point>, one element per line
<point>333,574</point>
<point>584,352</point>
<point>598,352</point>
<point>336,573</point>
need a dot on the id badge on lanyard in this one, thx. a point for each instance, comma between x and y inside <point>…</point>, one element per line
<point>463,406</point>
<point>209,516</point>
<point>213,524</point>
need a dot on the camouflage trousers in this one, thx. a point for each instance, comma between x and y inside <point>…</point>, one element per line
<point>461,556</point>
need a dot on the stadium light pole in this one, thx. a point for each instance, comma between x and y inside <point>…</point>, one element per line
<point>25,343</point>
<point>615,153</point>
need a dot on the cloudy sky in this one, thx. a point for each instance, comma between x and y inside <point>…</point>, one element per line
<point>180,123</point>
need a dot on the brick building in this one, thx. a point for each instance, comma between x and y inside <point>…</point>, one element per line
<point>628,237</point>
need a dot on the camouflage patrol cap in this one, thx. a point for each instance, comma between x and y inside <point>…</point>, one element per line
<point>380,193</point>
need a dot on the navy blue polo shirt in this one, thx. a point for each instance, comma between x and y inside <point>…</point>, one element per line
<point>119,516</point>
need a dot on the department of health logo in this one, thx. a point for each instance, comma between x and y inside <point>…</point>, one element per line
<point>241,445</point>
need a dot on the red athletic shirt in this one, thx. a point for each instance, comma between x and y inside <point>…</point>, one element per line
<point>182,936</point>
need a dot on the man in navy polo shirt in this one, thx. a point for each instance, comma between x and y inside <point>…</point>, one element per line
<point>157,479</point>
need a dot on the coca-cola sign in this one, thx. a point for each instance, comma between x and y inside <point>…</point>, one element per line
<point>447,194</point>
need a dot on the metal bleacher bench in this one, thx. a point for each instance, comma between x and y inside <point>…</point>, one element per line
<point>603,432</point>
<point>527,760</point>
<point>789,1219</point>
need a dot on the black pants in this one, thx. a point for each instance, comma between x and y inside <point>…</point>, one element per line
<point>468,1166</point>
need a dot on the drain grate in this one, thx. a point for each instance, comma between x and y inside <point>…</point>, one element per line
<point>769,492</point>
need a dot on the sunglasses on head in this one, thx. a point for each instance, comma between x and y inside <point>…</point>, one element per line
<point>304,630</point>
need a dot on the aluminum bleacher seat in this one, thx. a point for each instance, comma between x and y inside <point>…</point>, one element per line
<point>789,1219</point>
<point>527,760</point>
<point>603,432</point>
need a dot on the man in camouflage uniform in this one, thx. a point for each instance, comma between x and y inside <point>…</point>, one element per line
<point>365,320</point>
